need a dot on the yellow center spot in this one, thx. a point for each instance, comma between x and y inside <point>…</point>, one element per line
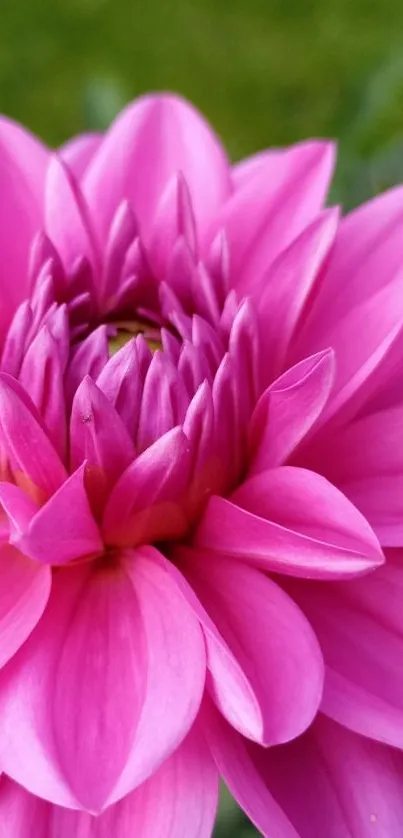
<point>128,329</point>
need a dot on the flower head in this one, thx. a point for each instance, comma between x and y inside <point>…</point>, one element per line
<point>194,357</point>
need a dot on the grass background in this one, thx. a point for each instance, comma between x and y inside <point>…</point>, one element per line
<point>265,72</point>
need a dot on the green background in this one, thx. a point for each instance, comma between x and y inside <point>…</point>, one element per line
<point>265,72</point>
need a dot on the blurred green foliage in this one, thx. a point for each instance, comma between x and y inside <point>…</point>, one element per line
<point>266,72</point>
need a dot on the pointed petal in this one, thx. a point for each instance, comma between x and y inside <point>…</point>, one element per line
<point>291,521</point>
<point>151,141</point>
<point>288,409</point>
<point>274,206</point>
<point>99,438</point>
<point>33,459</point>
<point>289,284</point>
<point>67,217</point>
<point>269,690</point>
<point>64,528</point>
<point>145,504</point>
<point>366,256</point>
<point>42,377</point>
<point>174,219</point>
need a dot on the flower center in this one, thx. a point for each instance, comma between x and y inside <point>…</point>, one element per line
<point>124,330</point>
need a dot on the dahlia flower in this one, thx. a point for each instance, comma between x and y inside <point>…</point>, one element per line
<point>200,470</point>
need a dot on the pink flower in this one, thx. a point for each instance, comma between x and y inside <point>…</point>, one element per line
<point>183,516</point>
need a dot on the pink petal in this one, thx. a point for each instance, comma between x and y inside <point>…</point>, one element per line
<point>145,504</point>
<point>380,499</point>
<point>179,799</point>
<point>360,629</point>
<point>244,779</point>
<point>274,206</point>
<point>367,343</point>
<point>288,410</point>
<point>63,529</point>
<point>23,162</point>
<point>68,221</point>
<point>174,219</point>
<point>289,285</point>
<point>151,141</point>
<point>34,461</point>
<point>246,169</point>
<point>266,675</point>
<point>117,661</point>
<point>365,258</point>
<point>98,437</point>
<point>42,376</point>
<point>291,521</point>
<point>333,783</point>
<point>23,596</point>
<point>79,151</point>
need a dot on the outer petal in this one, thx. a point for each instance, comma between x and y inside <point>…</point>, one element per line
<point>289,286</point>
<point>117,661</point>
<point>291,521</point>
<point>367,255</point>
<point>179,800</point>
<point>266,673</point>
<point>367,342</point>
<point>23,162</point>
<point>333,783</point>
<point>68,222</point>
<point>151,141</point>
<point>360,628</point>
<point>274,206</point>
<point>25,589</point>
<point>79,151</point>
<point>245,782</point>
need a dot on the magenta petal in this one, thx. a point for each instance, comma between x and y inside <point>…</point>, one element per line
<point>333,783</point>
<point>79,151</point>
<point>179,800</point>
<point>289,283</point>
<point>244,780</point>
<point>360,629</point>
<point>63,529</point>
<point>98,437</point>
<point>176,668</point>
<point>174,219</point>
<point>367,345</point>
<point>288,410</point>
<point>269,690</point>
<point>366,256</point>
<point>117,661</point>
<point>34,461</point>
<point>42,376</point>
<point>274,206</point>
<point>23,597</point>
<point>291,521</point>
<point>67,218</point>
<point>145,503</point>
<point>23,162</point>
<point>153,139</point>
